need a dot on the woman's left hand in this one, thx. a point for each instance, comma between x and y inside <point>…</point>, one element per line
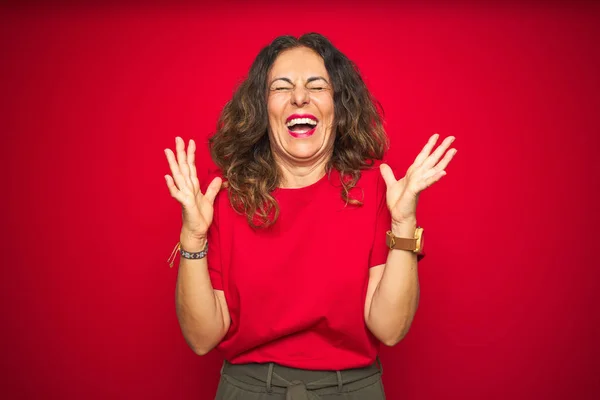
<point>402,195</point>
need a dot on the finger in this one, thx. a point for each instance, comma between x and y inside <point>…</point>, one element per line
<point>191,160</point>
<point>182,161</point>
<point>437,154</point>
<point>387,174</point>
<point>433,179</point>
<point>422,156</point>
<point>175,171</point>
<point>446,160</point>
<point>440,166</point>
<point>213,189</point>
<point>175,193</point>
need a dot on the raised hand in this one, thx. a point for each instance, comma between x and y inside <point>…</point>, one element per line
<point>402,195</point>
<point>197,208</point>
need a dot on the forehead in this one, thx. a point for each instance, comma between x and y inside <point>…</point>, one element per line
<point>299,62</point>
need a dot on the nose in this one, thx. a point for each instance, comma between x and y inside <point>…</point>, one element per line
<point>300,96</point>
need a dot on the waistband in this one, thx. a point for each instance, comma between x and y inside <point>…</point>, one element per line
<point>299,384</point>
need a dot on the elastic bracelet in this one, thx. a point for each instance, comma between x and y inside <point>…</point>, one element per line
<point>186,254</point>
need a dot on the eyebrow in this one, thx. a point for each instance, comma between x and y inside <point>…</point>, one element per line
<point>309,80</point>
<point>316,78</point>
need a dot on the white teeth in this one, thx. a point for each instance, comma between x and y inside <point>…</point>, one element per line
<point>296,121</point>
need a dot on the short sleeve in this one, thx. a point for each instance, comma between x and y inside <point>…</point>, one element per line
<point>213,257</point>
<point>383,223</point>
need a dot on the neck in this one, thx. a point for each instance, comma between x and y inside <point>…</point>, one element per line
<point>298,175</point>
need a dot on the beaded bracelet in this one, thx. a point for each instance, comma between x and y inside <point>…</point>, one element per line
<point>186,254</point>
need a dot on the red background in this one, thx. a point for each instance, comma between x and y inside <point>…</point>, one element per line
<point>90,97</point>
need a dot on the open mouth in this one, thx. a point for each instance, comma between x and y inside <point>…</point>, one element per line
<point>301,126</point>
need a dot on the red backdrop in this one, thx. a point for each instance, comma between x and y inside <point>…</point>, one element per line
<point>90,97</point>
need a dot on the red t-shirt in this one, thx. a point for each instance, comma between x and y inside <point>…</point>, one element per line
<point>296,290</point>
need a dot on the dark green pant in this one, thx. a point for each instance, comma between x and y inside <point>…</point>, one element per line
<point>275,382</point>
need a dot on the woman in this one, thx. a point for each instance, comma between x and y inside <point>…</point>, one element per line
<point>311,250</point>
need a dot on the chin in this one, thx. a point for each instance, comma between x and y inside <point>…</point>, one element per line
<point>303,153</point>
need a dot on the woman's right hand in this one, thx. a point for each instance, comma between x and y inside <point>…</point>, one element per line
<point>197,208</point>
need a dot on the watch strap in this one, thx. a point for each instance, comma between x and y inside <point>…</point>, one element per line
<point>414,244</point>
<point>396,243</point>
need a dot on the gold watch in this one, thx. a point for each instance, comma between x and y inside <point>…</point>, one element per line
<point>414,244</point>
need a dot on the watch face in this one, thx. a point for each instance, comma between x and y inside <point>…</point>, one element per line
<point>420,240</point>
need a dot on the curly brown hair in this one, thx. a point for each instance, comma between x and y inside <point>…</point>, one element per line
<point>241,148</point>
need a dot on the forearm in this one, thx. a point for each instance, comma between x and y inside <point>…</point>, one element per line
<point>198,309</point>
<point>396,297</point>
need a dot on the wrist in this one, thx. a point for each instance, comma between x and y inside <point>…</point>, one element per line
<point>405,228</point>
<point>192,243</point>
